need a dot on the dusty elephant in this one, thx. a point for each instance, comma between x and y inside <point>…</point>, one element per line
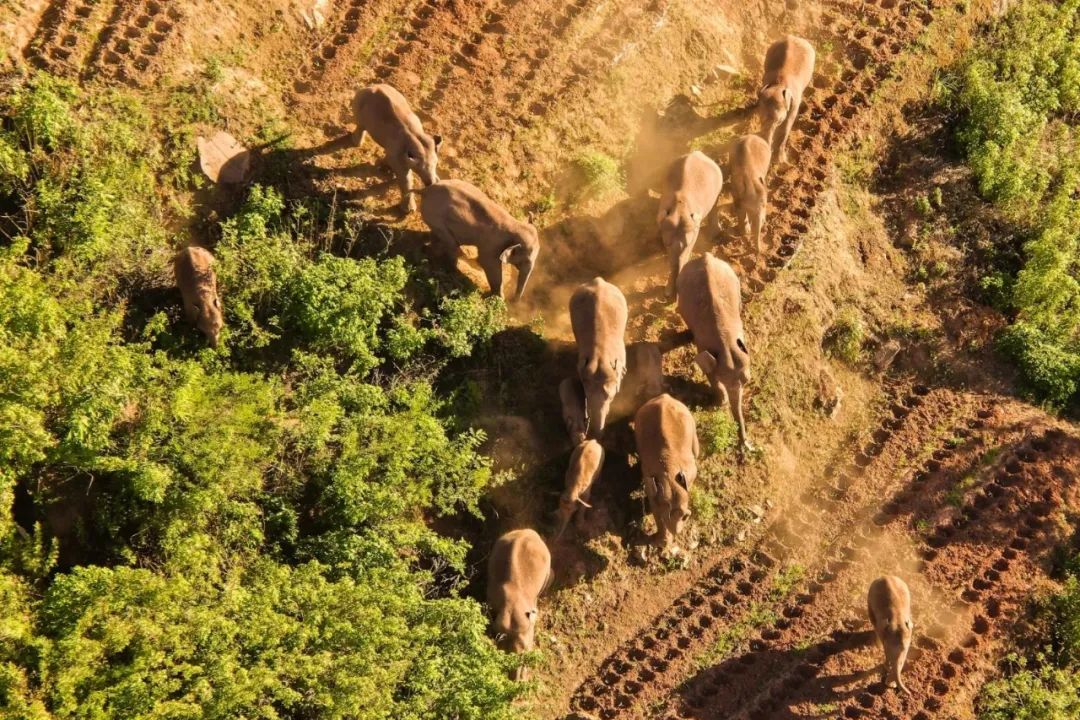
<point>519,569</point>
<point>572,398</point>
<point>667,446</point>
<point>750,158</point>
<point>710,303</point>
<point>585,464</point>
<point>598,315</point>
<point>194,271</point>
<point>460,214</point>
<point>889,605</point>
<point>691,189</point>
<point>789,68</point>
<point>384,113</point>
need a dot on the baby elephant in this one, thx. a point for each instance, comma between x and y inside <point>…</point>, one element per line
<point>384,113</point>
<point>750,157</point>
<point>598,315</point>
<point>194,271</point>
<point>460,214</point>
<point>667,446</point>
<point>585,464</point>
<point>710,303</point>
<point>690,193</point>
<point>519,569</point>
<point>572,397</point>
<point>889,606</point>
<point>789,67</point>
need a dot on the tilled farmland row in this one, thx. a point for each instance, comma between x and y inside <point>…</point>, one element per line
<point>666,649</point>
<point>1003,515</point>
<point>121,40</point>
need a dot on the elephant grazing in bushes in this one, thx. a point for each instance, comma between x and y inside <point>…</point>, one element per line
<point>519,569</point>
<point>194,271</point>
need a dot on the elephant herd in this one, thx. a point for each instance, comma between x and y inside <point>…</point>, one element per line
<point>708,296</point>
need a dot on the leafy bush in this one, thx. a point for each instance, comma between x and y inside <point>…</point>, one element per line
<point>1045,686</point>
<point>844,339</point>
<point>1018,98</point>
<point>596,174</point>
<point>1045,693</point>
<point>717,431</point>
<point>239,533</point>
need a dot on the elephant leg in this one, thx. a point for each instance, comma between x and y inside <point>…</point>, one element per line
<point>735,392</point>
<point>493,269</point>
<point>408,200</point>
<point>757,219</point>
<point>789,123</point>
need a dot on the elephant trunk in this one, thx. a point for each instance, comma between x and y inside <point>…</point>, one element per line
<point>525,270</point>
<point>598,405</point>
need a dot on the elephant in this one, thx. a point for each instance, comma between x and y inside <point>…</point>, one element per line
<point>667,446</point>
<point>888,604</point>
<point>789,68</point>
<point>691,189</point>
<point>710,303</point>
<point>460,214</point>
<point>384,113</point>
<point>519,570</point>
<point>194,272</point>
<point>750,158</point>
<point>598,315</point>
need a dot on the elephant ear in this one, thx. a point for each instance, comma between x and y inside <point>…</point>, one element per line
<point>680,480</point>
<point>706,361</point>
<point>505,256</point>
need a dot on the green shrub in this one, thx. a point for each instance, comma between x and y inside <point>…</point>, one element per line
<point>596,174</point>
<point>242,533</point>
<point>1018,96</point>
<point>1045,693</point>
<point>844,338</point>
<point>717,431</point>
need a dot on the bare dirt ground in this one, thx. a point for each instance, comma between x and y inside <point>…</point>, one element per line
<point>941,477</point>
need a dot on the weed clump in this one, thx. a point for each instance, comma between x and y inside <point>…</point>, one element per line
<point>845,337</point>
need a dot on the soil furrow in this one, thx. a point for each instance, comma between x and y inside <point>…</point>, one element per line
<point>1019,519</point>
<point>68,33</point>
<point>134,40</point>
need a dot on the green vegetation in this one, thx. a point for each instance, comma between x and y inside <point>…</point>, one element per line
<point>596,174</point>
<point>1045,686</point>
<point>240,532</point>
<point>1017,96</point>
<point>717,431</point>
<point>844,339</point>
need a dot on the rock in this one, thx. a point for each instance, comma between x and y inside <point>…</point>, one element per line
<point>828,394</point>
<point>695,91</point>
<point>740,536</point>
<point>757,511</point>
<point>885,355</point>
<point>224,159</point>
<point>313,13</point>
<point>725,69</point>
